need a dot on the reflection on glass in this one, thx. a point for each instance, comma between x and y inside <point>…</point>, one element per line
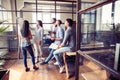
<point>101,31</point>
<point>86,5</point>
<point>117,12</point>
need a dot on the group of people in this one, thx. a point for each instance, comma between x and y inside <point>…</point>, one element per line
<point>65,41</point>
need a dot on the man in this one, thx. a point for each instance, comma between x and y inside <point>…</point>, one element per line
<point>58,39</point>
<point>53,28</point>
<point>52,31</point>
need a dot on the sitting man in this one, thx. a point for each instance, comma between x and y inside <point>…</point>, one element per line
<point>52,32</point>
<point>58,39</point>
<point>67,45</point>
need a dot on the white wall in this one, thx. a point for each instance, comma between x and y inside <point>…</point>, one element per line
<point>6,4</point>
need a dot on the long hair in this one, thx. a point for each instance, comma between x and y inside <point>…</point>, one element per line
<point>25,29</point>
<point>40,23</point>
<point>70,21</point>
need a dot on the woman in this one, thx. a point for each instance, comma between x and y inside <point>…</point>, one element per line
<point>39,38</point>
<point>67,45</point>
<point>25,37</point>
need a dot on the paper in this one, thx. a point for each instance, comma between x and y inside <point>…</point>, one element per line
<point>53,46</point>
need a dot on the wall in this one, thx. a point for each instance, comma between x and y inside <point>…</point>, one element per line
<point>6,4</point>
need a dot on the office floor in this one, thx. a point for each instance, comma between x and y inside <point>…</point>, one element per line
<point>45,72</point>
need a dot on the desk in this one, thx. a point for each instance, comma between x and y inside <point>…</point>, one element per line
<point>87,55</point>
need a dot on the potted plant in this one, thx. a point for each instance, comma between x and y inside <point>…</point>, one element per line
<point>2,29</point>
<point>4,73</point>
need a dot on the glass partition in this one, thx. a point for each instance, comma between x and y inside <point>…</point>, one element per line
<point>100,30</point>
<point>8,41</point>
<point>15,11</point>
<point>88,27</point>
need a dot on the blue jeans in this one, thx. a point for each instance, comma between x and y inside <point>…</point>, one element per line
<point>24,52</point>
<point>58,54</point>
<point>50,55</point>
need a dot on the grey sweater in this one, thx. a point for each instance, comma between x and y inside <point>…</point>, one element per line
<point>69,38</point>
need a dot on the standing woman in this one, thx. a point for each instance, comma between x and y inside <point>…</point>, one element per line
<point>25,37</point>
<point>39,38</point>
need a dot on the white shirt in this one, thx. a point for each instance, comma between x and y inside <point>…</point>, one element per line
<point>53,28</point>
<point>39,33</point>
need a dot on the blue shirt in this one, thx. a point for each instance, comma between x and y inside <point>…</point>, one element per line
<point>59,34</point>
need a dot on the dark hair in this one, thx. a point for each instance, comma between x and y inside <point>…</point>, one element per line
<point>70,21</point>
<point>54,20</point>
<point>60,22</point>
<point>40,23</point>
<point>25,29</point>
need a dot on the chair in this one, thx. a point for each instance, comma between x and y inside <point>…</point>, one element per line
<point>65,61</point>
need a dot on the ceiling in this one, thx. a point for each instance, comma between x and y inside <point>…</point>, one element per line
<point>68,0</point>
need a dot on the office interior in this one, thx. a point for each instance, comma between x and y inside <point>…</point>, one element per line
<point>97,27</point>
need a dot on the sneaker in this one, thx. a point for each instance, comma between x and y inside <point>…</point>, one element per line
<point>37,61</point>
<point>56,63</point>
<point>35,68</point>
<point>62,69</point>
<point>42,58</point>
<point>27,69</point>
<point>42,63</point>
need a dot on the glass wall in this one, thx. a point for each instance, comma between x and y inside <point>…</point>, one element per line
<point>88,24</point>
<point>45,11</point>
<point>101,24</point>
<point>15,11</point>
<point>100,30</point>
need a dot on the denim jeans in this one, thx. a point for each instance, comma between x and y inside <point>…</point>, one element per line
<point>59,53</point>
<point>50,55</point>
<point>24,52</point>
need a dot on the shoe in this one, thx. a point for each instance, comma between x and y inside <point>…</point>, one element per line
<point>35,68</point>
<point>62,69</point>
<point>27,69</point>
<point>37,61</point>
<point>42,58</point>
<point>42,63</point>
<point>56,63</point>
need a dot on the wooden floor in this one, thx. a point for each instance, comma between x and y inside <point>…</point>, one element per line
<point>45,72</point>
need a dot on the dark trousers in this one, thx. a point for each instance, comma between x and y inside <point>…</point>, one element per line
<point>24,53</point>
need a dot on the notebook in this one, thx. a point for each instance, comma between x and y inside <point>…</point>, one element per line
<point>53,46</point>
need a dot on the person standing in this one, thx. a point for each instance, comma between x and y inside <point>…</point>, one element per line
<point>39,32</point>
<point>25,36</point>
